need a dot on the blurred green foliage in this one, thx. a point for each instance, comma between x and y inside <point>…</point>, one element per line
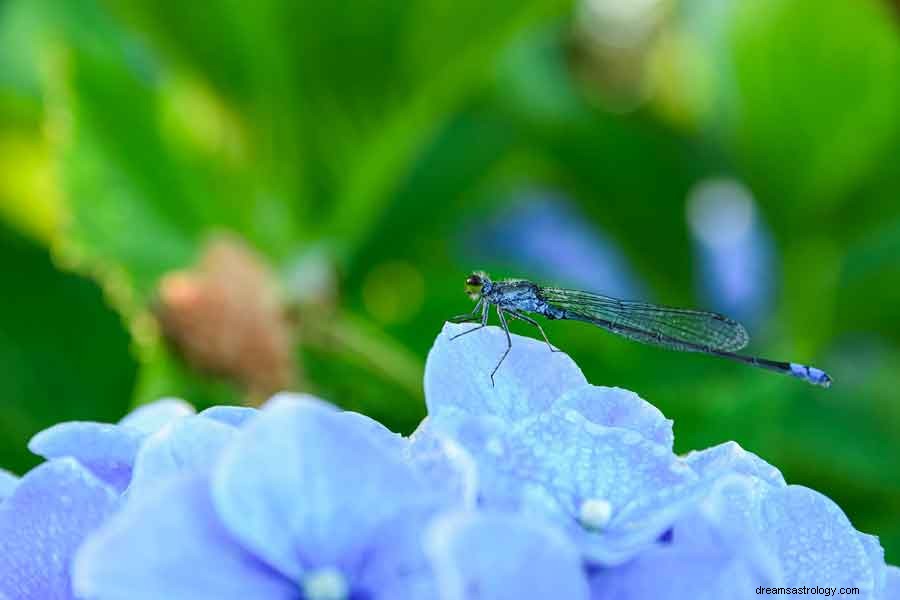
<point>353,144</point>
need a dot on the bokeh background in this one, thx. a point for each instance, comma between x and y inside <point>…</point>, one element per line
<point>215,200</point>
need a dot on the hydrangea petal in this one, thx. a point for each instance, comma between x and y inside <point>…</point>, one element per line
<point>149,418</point>
<point>170,544</point>
<point>731,458</point>
<point>304,486</point>
<point>190,444</point>
<point>493,556</point>
<point>398,567</point>
<point>235,416</point>
<point>615,407</point>
<point>708,558</point>
<point>814,540</point>
<point>891,583</point>
<point>54,506</point>
<point>457,374</point>
<point>107,450</point>
<point>553,464</point>
<point>8,483</point>
<point>443,463</point>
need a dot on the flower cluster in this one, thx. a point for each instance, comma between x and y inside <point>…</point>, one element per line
<point>543,486</point>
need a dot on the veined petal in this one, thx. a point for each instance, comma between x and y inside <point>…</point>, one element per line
<point>592,481</point>
<point>149,418</point>
<point>170,544</point>
<point>729,457</point>
<point>190,444</point>
<point>814,540</point>
<point>305,486</point>
<point>615,407</point>
<point>531,378</point>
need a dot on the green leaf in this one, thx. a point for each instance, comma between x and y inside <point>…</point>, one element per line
<point>816,86</point>
<point>64,352</point>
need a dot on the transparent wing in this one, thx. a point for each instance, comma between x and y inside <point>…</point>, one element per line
<point>676,328</point>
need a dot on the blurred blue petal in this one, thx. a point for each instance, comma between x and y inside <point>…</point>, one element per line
<point>548,238</point>
<point>8,483</point>
<point>615,407</point>
<point>305,487</point>
<point>170,544</point>
<point>457,375</point>
<point>230,415</point>
<point>53,508</point>
<point>149,418</point>
<point>734,249</point>
<point>708,558</point>
<point>107,450</point>
<point>492,556</point>
<point>187,445</point>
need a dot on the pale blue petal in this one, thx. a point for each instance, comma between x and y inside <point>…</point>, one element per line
<point>708,558</point>
<point>457,374</point>
<point>392,442</point>
<point>731,458</point>
<point>875,553</point>
<point>107,450</point>
<point>188,445</point>
<point>444,464</point>
<point>558,464</point>
<point>170,544</point>
<point>8,483</point>
<point>493,556</point>
<point>43,522</point>
<point>814,540</point>
<point>397,567</point>
<point>615,407</point>
<point>149,418</point>
<point>305,486</point>
<point>891,583</point>
<point>235,416</point>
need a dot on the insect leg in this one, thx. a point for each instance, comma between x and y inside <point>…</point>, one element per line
<point>530,321</point>
<point>484,320</point>
<point>468,317</point>
<point>500,314</point>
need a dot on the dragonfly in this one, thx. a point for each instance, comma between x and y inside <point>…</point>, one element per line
<point>679,329</point>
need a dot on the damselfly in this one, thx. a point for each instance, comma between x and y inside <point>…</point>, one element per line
<point>674,328</point>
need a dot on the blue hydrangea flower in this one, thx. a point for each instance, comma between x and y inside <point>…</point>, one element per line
<point>594,461</point>
<point>807,535</point>
<point>303,502</point>
<point>42,523</point>
<point>108,450</point>
<point>597,463</point>
<point>541,487</point>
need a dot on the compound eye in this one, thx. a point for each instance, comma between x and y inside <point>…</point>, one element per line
<point>473,280</point>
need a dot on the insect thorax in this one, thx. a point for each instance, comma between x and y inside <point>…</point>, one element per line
<point>516,294</point>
